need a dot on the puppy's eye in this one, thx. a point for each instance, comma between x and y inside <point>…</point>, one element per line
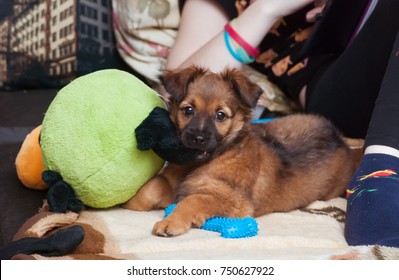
<point>220,116</point>
<point>188,110</point>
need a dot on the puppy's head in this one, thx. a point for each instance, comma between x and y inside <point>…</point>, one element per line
<point>209,109</point>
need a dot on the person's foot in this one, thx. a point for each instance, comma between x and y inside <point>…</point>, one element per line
<point>373,202</point>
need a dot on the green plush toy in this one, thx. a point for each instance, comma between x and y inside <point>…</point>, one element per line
<point>88,137</point>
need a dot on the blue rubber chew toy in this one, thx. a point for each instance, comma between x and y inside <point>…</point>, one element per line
<point>228,227</point>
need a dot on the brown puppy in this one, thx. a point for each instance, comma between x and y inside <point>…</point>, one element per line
<point>245,169</point>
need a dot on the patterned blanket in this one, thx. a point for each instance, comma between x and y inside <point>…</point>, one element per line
<point>314,232</point>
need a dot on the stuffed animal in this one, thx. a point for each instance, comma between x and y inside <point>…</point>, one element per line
<point>88,142</point>
<point>88,138</point>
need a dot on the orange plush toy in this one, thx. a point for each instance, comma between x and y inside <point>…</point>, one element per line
<point>29,161</point>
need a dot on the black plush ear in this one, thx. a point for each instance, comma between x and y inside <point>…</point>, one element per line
<point>248,91</point>
<point>177,81</point>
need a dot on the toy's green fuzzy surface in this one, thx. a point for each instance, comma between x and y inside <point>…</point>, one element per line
<point>88,136</point>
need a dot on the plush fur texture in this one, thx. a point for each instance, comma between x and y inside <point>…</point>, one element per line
<point>88,138</point>
<point>244,169</point>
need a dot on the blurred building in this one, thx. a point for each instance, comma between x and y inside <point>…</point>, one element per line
<point>55,40</point>
<point>4,35</point>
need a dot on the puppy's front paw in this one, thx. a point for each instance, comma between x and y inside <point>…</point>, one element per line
<point>170,227</point>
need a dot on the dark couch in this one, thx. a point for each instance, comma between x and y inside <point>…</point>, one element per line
<point>20,112</point>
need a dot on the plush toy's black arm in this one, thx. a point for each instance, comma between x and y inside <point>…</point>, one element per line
<point>59,243</point>
<point>60,196</point>
<point>158,132</point>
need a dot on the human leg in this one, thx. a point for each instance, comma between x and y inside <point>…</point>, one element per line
<point>346,91</point>
<point>373,194</point>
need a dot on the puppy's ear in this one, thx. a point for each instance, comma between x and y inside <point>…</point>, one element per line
<point>248,91</point>
<point>177,81</point>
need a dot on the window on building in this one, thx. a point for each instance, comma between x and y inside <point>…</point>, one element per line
<point>71,28</point>
<point>104,18</point>
<point>69,69</point>
<point>83,28</point>
<point>88,11</point>
<point>105,35</point>
<point>82,9</point>
<point>89,30</point>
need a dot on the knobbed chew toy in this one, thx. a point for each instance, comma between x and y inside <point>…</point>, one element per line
<point>227,227</point>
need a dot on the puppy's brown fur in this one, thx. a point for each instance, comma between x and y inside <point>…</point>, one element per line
<point>245,169</point>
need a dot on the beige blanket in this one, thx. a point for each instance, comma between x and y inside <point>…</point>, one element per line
<point>315,232</point>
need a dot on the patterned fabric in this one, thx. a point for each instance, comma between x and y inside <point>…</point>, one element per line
<point>314,232</point>
<point>144,31</point>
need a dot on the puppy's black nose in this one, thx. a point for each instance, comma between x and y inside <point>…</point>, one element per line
<point>196,140</point>
<point>199,139</point>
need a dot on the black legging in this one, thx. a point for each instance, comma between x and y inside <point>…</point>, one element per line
<point>347,90</point>
<point>383,129</point>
